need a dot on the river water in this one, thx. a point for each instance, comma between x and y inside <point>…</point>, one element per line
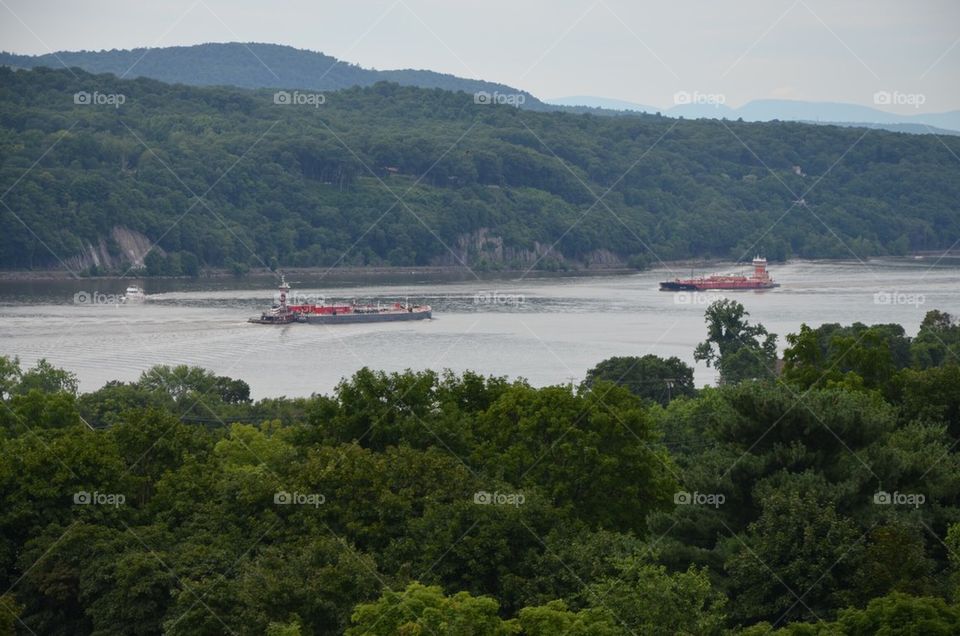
<point>548,330</point>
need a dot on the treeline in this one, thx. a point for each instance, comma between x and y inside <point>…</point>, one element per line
<point>391,175</point>
<point>250,65</point>
<point>823,500</point>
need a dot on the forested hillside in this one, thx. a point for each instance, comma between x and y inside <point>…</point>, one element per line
<point>391,175</point>
<point>822,502</point>
<point>251,65</point>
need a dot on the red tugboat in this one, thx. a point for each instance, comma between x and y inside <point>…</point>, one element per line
<point>760,279</point>
<point>283,313</point>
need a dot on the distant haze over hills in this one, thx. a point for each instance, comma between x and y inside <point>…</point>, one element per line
<point>602,102</point>
<point>252,65</point>
<point>257,65</point>
<point>784,110</point>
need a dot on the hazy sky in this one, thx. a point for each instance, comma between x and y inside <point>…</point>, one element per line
<point>821,50</point>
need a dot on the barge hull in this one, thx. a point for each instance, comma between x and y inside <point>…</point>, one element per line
<point>672,285</point>
<point>351,318</point>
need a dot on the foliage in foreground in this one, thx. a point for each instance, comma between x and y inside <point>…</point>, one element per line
<point>420,503</point>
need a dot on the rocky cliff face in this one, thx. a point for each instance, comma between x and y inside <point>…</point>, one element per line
<point>121,249</point>
<point>125,248</point>
<point>485,245</point>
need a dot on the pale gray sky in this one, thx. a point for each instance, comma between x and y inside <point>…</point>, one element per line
<point>818,50</point>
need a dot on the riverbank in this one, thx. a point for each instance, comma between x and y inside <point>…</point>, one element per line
<point>323,272</point>
<point>454,273</point>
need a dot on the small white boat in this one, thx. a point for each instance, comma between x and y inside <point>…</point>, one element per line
<point>134,294</point>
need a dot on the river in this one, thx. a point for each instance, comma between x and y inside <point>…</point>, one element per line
<point>548,330</point>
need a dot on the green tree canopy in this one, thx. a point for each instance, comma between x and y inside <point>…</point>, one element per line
<point>650,377</point>
<point>739,350</point>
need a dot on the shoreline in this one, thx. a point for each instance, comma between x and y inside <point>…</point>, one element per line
<point>322,272</point>
<point>419,270</point>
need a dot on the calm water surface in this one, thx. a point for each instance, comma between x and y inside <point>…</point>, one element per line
<point>548,330</point>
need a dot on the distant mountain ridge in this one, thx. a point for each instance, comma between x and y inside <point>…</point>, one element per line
<point>254,65</point>
<point>836,113</point>
<point>913,129</point>
<point>262,65</point>
<point>602,102</point>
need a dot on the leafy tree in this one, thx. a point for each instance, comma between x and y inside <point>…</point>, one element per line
<point>419,609</point>
<point>10,374</point>
<point>932,395</point>
<point>868,356</point>
<point>555,618</point>
<point>380,409</point>
<point>895,560</point>
<point>193,386</point>
<point>232,391</point>
<point>650,377</point>
<point>64,571</point>
<point>127,593</point>
<point>313,583</point>
<point>293,628</point>
<point>153,443</point>
<point>645,598</point>
<point>573,554</point>
<point>46,378</point>
<point>481,549</point>
<point>794,560</point>
<point>739,350</point>
<point>178,382</point>
<point>109,404</point>
<point>953,548</point>
<point>938,341</point>
<point>901,615</point>
<point>805,361</point>
<point>858,357</point>
<point>10,614</point>
<point>594,452</point>
<point>41,472</point>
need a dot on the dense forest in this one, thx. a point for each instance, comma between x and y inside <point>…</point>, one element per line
<point>817,494</point>
<point>392,175</point>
